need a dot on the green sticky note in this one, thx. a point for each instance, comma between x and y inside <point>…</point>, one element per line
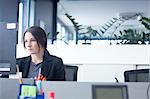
<point>28,91</point>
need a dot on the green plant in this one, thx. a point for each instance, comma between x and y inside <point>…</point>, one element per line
<point>132,36</point>
<point>146,22</point>
<point>128,36</point>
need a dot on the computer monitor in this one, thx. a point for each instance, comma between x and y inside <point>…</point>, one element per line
<point>109,92</point>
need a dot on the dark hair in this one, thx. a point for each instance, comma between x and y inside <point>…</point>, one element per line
<point>39,34</point>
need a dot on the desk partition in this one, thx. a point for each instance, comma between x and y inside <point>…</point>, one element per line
<point>83,90</point>
<point>9,89</point>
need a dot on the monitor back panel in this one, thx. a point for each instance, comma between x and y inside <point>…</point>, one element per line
<point>109,92</point>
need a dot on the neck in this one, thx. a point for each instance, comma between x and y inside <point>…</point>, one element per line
<point>37,58</point>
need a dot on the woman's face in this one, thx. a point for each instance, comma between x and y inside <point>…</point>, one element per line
<point>31,44</point>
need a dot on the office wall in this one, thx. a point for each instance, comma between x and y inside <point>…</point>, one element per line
<point>44,14</point>
<point>100,63</point>
<point>8,33</point>
<point>8,10</point>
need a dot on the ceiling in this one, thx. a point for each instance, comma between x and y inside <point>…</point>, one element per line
<point>98,12</point>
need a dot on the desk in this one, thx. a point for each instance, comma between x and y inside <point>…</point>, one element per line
<point>83,90</point>
<point>9,89</point>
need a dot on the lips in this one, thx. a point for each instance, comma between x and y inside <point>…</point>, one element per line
<point>29,49</point>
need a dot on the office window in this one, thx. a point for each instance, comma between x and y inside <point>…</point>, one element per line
<point>99,21</point>
<point>26,17</point>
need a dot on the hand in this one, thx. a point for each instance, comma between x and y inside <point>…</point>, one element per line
<point>40,77</point>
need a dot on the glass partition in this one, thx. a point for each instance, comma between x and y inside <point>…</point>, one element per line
<point>104,21</point>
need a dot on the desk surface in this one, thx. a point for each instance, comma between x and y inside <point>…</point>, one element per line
<point>70,90</point>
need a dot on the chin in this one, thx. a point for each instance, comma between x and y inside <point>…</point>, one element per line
<point>31,52</point>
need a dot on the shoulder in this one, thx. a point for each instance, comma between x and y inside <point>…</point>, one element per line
<point>22,59</point>
<point>54,58</point>
<point>50,57</point>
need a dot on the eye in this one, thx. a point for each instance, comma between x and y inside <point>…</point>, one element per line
<point>25,41</point>
<point>33,40</point>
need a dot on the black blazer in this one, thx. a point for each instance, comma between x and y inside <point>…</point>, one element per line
<point>52,67</point>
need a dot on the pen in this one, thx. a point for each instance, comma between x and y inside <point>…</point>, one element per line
<point>20,79</point>
<point>39,72</point>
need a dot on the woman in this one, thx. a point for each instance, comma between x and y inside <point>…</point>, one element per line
<point>40,62</point>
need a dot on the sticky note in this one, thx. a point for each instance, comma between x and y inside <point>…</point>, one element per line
<point>28,91</point>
